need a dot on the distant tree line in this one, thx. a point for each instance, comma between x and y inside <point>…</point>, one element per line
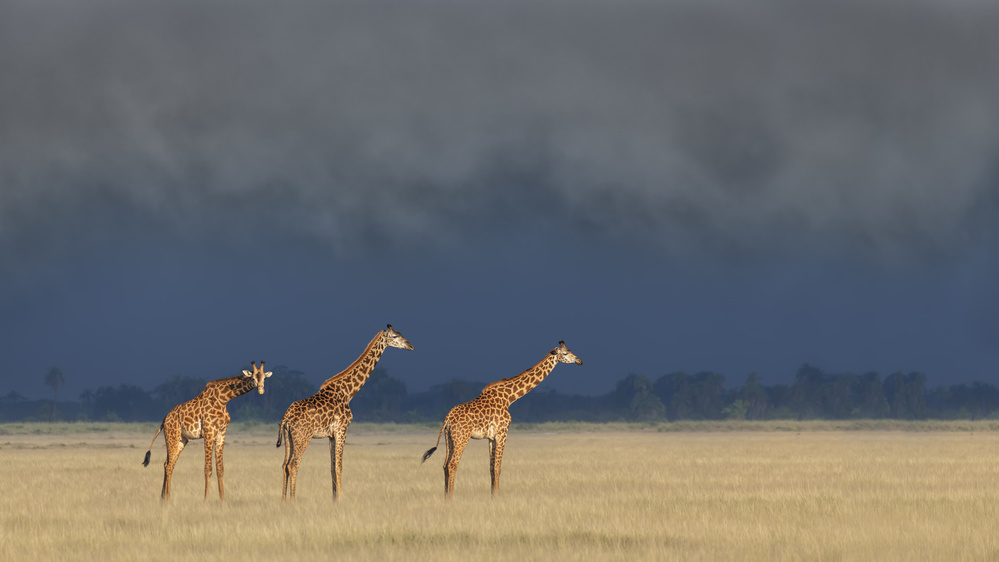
<point>814,394</point>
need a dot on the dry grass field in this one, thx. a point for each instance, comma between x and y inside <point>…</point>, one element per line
<point>567,493</point>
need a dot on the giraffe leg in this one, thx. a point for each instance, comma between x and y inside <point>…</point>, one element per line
<point>218,463</point>
<point>293,476</point>
<point>333,447</point>
<point>455,447</point>
<point>301,443</point>
<point>286,466</point>
<point>337,463</point>
<point>175,444</point>
<point>210,438</point>
<point>496,459</point>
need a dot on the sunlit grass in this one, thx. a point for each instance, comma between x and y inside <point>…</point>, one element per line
<point>641,494</point>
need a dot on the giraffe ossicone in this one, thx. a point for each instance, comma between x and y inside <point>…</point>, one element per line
<point>204,417</point>
<point>488,417</point>
<point>327,413</point>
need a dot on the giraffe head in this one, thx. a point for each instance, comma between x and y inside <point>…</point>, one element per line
<point>563,355</point>
<point>258,375</point>
<point>395,339</point>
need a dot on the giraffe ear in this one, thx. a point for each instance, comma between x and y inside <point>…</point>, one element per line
<point>267,374</point>
<point>247,373</point>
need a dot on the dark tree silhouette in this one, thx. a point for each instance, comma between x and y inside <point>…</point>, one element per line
<point>380,399</point>
<point>87,397</point>
<point>754,395</point>
<point>814,394</point>
<point>54,379</point>
<point>906,395</point>
<point>673,391</point>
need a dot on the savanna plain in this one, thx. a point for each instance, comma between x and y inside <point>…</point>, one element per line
<point>765,491</point>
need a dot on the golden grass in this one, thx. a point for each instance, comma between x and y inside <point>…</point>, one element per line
<point>566,495</point>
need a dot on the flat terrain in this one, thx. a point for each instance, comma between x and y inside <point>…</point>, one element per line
<point>79,492</point>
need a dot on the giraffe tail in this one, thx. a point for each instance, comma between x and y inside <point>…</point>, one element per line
<point>280,433</point>
<point>145,462</point>
<point>434,448</point>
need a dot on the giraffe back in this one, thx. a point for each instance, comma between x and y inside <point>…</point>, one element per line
<point>318,414</point>
<point>208,409</point>
<point>482,417</point>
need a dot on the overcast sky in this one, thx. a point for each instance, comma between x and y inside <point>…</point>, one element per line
<point>675,185</point>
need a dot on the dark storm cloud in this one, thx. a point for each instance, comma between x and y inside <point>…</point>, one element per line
<point>686,126</point>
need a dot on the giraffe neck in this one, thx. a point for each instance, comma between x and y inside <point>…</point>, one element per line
<point>516,387</point>
<point>349,381</point>
<point>224,390</point>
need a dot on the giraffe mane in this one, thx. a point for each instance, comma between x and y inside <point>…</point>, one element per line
<point>496,383</point>
<point>353,366</point>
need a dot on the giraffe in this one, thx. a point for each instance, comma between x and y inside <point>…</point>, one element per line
<point>327,413</point>
<point>204,417</point>
<point>488,417</point>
